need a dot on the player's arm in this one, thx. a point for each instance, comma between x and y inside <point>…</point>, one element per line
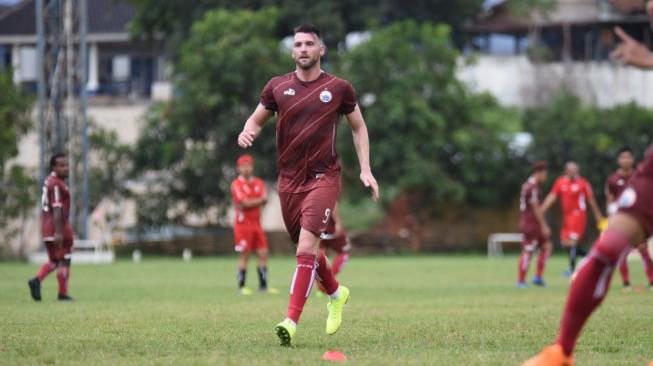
<point>253,126</point>
<point>57,215</point>
<point>631,52</point>
<point>609,198</point>
<point>362,145</point>
<point>548,202</point>
<point>539,215</point>
<point>598,216</point>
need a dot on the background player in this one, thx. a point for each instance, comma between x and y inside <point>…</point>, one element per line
<point>308,103</point>
<point>614,185</point>
<point>56,230</point>
<point>533,226</point>
<point>249,195</point>
<point>575,193</point>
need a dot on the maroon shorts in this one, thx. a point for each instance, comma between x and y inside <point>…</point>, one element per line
<point>59,252</point>
<point>310,210</point>
<point>533,238</point>
<point>338,243</point>
<point>249,237</point>
<point>637,200</point>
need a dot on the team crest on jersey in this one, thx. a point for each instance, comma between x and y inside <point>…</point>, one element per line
<point>289,91</point>
<point>325,96</point>
<point>628,198</point>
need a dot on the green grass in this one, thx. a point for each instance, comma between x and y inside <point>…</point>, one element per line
<point>431,310</point>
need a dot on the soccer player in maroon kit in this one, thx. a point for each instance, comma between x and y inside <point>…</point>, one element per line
<point>575,193</point>
<point>308,103</point>
<point>614,185</point>
<point>56,229</point>
<point>533,226</point>
<point>249,195</point>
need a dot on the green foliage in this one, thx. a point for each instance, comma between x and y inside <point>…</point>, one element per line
<point>193,139</point>
<point>107,178</point>
<point>566,129</point>
<point>430,136</point>
<point>17,189</point>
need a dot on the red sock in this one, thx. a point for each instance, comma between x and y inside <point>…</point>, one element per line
<point>648,264</point>
<point>623,269</point>
<point>45,270</point>
<point>590,286</point>
<point>338,262</point>
<point>541,262</point>
<point>301,285</point>
<point>325,275</point>
<point>62,277</point>
<point>524,262</point>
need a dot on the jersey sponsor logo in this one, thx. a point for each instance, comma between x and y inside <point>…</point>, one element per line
<point>325,96</point>
<point>628,198</point>
<point>289,91</point>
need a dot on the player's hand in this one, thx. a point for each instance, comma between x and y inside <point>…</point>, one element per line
<point>246,138</point>
<point>58,239</point>
<point>546,231</point>
<point>631,52</point>
<point>368,181</point>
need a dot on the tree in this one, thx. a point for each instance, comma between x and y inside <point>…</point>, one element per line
<point>17,189</point>
<point>191,141</point>
<point>432,139</point>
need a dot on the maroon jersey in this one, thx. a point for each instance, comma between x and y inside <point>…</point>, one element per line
<point>55,194</point>
<point>637,197</point>
<point>530,193</point>
<point>307,116</point>
<point>616,183</point>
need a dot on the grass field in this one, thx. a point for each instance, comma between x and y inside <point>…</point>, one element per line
<point>430,310</point>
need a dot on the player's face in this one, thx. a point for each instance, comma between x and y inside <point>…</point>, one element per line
<point>307,50</point>
<point>571,170</point>
<point>625,160</point>
<point>541,176</point>
<point>245,170</point>
<point>61,168</point>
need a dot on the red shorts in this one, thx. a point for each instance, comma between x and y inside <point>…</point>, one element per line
<point>573,227</point>
<point>637,200</point>
<point>309,210</point>
<point>59,252</point>
<point>339,243</point>
<point>249,237</point>
<point>533,238</point>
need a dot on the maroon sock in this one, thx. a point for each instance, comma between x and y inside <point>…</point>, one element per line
<point>339,262</point>
<point>590,286</point>
<point>623,269</point>
<point>62,277</point>
<point>541,262</point>
<point>301,285</point>
<point>325,275</point>
<point>648,265</point>
<point>524,262</point>
<point>45,270</point>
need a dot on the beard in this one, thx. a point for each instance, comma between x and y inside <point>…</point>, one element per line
<point>306,66</point>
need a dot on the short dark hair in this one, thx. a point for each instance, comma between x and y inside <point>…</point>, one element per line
<point>308,28</point>
<point>624,149</point>
<point>539,166</point>
<point>53,159</point>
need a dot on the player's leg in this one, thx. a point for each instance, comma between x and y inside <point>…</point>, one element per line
<point>648,264</point>
<point>243,246</point>
<point>63,276</point>
<point>45,269</point>
<point>339,262</point>
<point>261,245</point>
<point>542,258</point>
<point>625,275</point>
<point>523,264</point>
<point>590,286</point>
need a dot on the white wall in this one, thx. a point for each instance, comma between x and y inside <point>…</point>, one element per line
<point>515,81</point>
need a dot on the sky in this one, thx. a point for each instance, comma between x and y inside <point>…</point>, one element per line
<point>8,2</point>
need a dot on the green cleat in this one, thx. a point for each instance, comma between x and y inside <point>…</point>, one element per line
<point>335,306</point>
<point>286,332</point>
